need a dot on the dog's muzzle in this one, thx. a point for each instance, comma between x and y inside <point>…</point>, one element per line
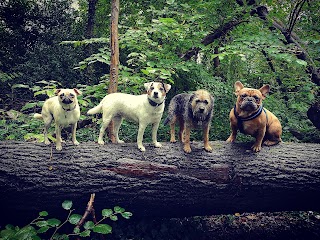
<point>67,101</point>
<point>249,104</point>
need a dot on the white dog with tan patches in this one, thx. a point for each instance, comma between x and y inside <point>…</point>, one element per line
<point>144,109</point>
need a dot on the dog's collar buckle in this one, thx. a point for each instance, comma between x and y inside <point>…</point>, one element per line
<point>153,103</point>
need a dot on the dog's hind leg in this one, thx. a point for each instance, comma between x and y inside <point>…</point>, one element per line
<point>58,137</point>
<point>47,118</point>
<point>104,125</point>
<point>172,130</point>
<point>117,123</point>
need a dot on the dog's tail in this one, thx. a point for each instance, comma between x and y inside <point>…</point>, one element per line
<point>37,116</point>
<point>95,110</point>
<point>168,119</point>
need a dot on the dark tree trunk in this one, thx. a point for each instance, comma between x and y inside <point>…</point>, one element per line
<point>91,17</point>
<point>159,182</point>
<point>114,64</point>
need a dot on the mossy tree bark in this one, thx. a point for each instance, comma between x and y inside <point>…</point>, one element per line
<point>162,181</point>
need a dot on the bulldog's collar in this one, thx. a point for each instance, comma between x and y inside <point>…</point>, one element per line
<point>253,116</point>
<point>154,104</point>
<point>70,109</point>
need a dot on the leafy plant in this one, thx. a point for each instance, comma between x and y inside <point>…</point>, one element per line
<point>44,226</point>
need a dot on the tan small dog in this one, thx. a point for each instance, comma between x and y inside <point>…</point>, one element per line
<point>251,118</point>
<point>65,110</point>
<point>144,109</point>
<point>191,111</point>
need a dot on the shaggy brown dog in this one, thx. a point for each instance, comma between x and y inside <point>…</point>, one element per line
<point>193,110</point>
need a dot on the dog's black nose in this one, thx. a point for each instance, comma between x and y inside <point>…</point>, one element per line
<point>201,110</point>
<point>66,101</point>
<point>155,94</point>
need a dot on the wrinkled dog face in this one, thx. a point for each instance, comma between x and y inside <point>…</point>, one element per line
<point>249,99</point>
<point>67,96</point>
<point>201,104</point>
<point>157,91</point>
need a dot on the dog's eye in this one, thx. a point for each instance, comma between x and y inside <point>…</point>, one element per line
<point>198,101</point>
<point>151,88</point>
<point>243,95</point>
<point>256,98</point>
<point>62,95</point>
<point>161,89</point>
<point>71,95</point>
<point>206,102</point>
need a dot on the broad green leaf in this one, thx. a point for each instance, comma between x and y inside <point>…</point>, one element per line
<point>118,209</point>
<point>67,204</point>
<point>76,230</point>
<point>20,86</point>
<point>107,212</point>
<point>75,218</point>
<point>103,229</point>
<point>85,233</point>
<point>41,223</point>
<point>301,62</point>
<point>43,214</point>
<point>126,215</point>
<point>114,217</point>
<point>54,222</point>
<point>43,229</point>
<point>88,225</point>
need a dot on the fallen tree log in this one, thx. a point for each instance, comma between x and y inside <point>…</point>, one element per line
<point>162,181</point>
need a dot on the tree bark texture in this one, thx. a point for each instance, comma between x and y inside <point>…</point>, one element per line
<point>162,181</point>
<point>114,64</point>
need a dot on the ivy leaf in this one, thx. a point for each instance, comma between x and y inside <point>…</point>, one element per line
<point>301,62</point>
<point>114,217</point>
<point>41,223</point>
<point>67,204</point>
<point>103,229</point>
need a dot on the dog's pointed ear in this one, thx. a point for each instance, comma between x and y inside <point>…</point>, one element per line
<point>237,87</point>
<point>148,85</point>
<point>77,91</point>
<point>167,87</point>
<point>57,92</point>
<point>265,89</point>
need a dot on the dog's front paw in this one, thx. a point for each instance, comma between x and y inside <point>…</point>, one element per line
<point>208,148</point>
<point>231,139</point>
<point>187,149</point>
<point>59,147</point>
<point>157,145</point>
<point>142,148</point>
<point>101,142</point>
<point>120,141</point>
<point>47,142</point>
<point>76,142</point>
<point>256,148</point>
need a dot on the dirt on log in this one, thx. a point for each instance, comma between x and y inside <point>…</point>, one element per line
<point>162,181</point>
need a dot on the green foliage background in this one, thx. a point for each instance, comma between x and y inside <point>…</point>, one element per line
<point>50,52</point>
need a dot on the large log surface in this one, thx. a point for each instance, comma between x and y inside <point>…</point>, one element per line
<point>160,182</point>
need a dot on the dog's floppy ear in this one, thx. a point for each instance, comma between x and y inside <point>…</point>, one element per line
<point>237,87</point>
<point>148,85</point>
<point>57,91</point>
<point>167,87</point>
<point>265,89</point>
<point>77,91</point>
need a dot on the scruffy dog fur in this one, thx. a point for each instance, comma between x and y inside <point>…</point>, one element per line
<point>191,111</point>
<point>65,110</point>
<point>144,109</point>
<point>251,118</point>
